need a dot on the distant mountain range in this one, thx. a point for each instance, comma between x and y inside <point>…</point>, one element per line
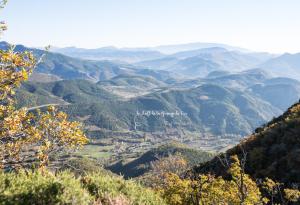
<point>286,65</point>
<point>189,61</point>
<point>198,63</point>
<point>221,90</point>
<point>57,66</point>
<point>171,49</point>
<point>194,59</point>
<point>110,53</point>
<point>137,54</point>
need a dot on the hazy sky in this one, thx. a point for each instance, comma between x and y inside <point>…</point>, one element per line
<point>263,25</point>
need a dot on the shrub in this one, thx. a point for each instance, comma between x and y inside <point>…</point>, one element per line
<point>81,166</point>
<point>106,186</point>
<point>45,188</point>
<point>28,188</point>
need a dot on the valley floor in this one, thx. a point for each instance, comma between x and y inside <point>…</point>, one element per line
<point>131,145</point>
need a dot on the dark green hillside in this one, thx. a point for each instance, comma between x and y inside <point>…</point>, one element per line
<point>78,91</point>
<point>141,165</point>
<point>111,115</point>
<point>208,108</point>
<point>32,95</point>
<point>219,110</point>
<point>272,151</point>
<point>88,100</point>
<point>62,92</point>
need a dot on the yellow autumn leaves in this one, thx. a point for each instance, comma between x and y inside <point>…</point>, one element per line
<point>206,189</point>
<point>29,137</point>
<point>210,190</point>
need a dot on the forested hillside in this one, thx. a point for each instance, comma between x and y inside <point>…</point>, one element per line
<point>237,112</point>
<point>272,151</point>
<point>142,165</point>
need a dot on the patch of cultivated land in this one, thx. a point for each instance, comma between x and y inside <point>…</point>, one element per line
<point>128,145</point>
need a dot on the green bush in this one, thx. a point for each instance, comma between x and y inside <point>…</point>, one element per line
<point>102,186</point>
<point>37,188</point>
<point>82,166</point>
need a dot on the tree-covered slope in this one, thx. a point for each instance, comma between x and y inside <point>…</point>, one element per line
<point>208,108</point>
<point>141,165</point>
<point>212,108</point>
<point>61,92</point>
<point>272,151</point>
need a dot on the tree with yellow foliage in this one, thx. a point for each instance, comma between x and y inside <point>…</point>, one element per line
<point>239,189</point>
<point>272,189</point>
<point>292,195</point>
<point>27,136</point>
<point>210,190</point>
<point>174,164</point>
<point>245,188</point>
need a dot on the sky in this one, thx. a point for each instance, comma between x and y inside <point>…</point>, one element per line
<point>258,25</point>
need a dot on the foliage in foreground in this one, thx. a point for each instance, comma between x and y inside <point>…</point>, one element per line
<point>206,189</point>
<point>27,136</point>
<point>35,187</point>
